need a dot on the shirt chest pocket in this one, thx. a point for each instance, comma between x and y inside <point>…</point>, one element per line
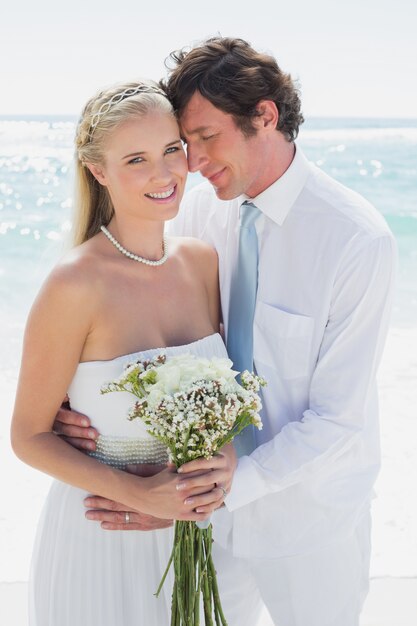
<point>283,340</point>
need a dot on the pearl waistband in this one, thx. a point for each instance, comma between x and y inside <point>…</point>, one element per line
<point>121,451</point>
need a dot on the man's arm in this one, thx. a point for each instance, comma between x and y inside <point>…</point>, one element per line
<point>341,384</point>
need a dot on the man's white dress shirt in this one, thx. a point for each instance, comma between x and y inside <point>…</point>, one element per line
<point>326,269</point>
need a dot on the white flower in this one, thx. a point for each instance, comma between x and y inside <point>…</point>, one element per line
<point>190,403</point>
<point>257,421</point>
<point>181,372</point>
<point>155,396</point>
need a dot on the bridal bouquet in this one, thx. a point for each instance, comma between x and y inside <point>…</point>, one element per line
<point>195,406</point>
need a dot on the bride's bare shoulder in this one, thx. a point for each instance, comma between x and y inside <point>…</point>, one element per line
<point>77,271</point>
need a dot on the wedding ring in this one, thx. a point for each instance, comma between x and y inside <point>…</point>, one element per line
<point>224,491</point>
<point>127,517</point>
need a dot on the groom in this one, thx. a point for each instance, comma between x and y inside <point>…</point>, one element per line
<point>297,518</point>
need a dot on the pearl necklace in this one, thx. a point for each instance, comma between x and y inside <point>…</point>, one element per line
<point>136,257</point>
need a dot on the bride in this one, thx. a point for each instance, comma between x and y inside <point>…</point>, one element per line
<point>123,290</point>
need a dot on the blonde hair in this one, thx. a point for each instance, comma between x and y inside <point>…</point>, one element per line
<point>100,117</point>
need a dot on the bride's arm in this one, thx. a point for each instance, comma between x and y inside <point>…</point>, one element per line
<point>59,324</point>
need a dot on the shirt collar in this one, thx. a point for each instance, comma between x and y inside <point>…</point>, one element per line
<point>277,200</point>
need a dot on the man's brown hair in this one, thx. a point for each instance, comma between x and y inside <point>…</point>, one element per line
<point>234,78</point>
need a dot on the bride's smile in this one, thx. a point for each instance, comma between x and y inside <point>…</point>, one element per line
<point>145,168</point>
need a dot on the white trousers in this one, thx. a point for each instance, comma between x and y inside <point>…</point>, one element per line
<point>322,588</point>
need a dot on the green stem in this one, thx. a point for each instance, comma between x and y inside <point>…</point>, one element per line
<point>185,446</point>
<point>191,574</point>
<point>195,576</point>
<point>207,601</point>
<point>179,574</point>
<point>219,615</point>
<point>174,607</point>
<point>186,569</point>
<point>197,590</point>
<point>161,584</point>
<point>208,609</point>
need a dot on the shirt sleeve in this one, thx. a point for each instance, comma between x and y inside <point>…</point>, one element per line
<point>342,383</point>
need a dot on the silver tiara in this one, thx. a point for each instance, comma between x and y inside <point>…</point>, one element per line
<point>118,97</point>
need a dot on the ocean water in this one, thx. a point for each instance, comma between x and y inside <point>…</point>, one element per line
<point>377,158</point>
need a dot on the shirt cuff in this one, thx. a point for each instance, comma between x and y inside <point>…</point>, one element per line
<point>248,485</point>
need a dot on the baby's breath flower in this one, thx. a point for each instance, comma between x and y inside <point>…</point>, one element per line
<point>193,405</point>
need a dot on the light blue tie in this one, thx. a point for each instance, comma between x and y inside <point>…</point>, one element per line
<point>242,309</point>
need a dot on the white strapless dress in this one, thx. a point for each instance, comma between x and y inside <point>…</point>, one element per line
<point>82,575</point>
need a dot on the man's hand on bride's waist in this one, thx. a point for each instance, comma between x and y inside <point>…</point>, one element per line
<point>75,428</point>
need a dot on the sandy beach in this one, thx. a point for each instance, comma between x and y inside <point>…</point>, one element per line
<point>393,596</point>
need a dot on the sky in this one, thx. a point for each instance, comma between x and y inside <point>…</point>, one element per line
<point>354,58</point>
